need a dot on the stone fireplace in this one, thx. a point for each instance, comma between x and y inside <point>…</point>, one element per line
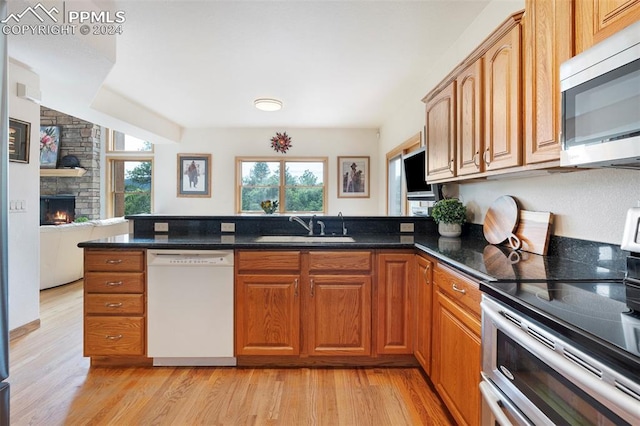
<point>57,209</point>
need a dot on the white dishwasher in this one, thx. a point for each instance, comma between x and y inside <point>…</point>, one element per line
<point>190,307</point>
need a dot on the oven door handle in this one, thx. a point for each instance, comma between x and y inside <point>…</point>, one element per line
<point>493,402</point>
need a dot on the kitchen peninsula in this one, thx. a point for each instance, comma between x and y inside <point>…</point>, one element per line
<point>387,298</point>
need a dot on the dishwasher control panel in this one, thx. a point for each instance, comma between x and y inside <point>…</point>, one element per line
<point>189,258</point>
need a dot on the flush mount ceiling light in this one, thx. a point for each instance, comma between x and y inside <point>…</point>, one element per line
<point>267,104</point>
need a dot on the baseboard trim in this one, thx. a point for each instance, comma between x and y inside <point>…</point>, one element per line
<point>24,329</point>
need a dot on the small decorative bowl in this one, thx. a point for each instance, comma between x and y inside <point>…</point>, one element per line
<point>269,206</point>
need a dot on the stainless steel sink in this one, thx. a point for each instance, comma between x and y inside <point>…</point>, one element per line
<point>304,239</point>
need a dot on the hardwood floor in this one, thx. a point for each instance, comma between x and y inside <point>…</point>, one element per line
<point>52,384</point>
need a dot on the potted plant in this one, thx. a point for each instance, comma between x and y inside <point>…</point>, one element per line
<point>449,214</point>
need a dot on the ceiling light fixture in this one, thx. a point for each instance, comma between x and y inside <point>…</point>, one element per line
<point>267,104</point>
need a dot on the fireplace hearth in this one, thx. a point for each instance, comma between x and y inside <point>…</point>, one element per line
<point>57,209</point>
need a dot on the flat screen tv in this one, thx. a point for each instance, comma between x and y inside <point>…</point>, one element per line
<point>414,173</point>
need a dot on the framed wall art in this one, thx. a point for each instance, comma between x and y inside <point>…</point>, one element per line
<point>19,135</point>
<point>194,175</point>
<point>353,177</point>
<point>49,146</point>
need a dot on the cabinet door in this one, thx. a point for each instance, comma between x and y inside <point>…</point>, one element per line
<point>469,132</point>
<point>267,315</point>
<point>339,317</point>
<point>548,43</point>
<point>394,325</point>
<point>503,129</point>
<point>598,19</point>
<point>424,291</point>
<point>440,134</point>
<point>456,359</point>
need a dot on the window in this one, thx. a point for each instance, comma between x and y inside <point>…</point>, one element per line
<point>397,204</point>
<point>299,184</point>
<point>129,173</point>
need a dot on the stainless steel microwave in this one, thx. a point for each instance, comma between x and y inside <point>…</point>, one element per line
<point>601,103</point>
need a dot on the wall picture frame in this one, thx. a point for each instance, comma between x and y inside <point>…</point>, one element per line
<point>49,146</point>
<point>19,136</point>
<point>194,175</point>
<point>353,177</point>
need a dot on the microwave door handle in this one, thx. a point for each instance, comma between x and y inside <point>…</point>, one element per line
<point>493,402</point>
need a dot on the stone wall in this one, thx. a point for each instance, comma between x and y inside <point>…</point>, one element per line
<point>82,139</point>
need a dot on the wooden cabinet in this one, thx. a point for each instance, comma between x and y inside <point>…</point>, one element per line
<point>456,362</point>
<point>422,317</point>
<point>267,309</point>
<point>548,42</point>
<point>339,303</point>
<point>440,133</point>
<point>394,318</point>
<point>114,303</point>
<point>503,102</point>
<point>332,288</point>
<point>469,134</point>
<point>598,19</point>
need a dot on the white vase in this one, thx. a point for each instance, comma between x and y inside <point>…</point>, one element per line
<point>449,229</point>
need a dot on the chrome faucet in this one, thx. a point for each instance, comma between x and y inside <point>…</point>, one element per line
<point>304,225</point>
<point>344,230</point>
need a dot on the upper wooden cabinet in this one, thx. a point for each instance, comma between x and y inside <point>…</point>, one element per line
<point>441,133</point>
<point>548,41</point>
<point>503,103</point>
<point>469,137</point>
<point>598,19</point>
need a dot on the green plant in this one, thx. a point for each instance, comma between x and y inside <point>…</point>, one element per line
<point>449,210</point>
<point>81,219</point>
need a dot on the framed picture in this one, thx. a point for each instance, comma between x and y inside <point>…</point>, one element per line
<point>194,175</point>
<point>19,135</point>
<point>353,177</point>
<point>49,146</point>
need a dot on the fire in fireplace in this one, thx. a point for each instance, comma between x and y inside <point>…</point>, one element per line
<point>57,209</point>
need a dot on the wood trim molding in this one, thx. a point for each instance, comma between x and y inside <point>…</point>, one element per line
<point>25,329</point>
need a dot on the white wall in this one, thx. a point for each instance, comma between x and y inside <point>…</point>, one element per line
<point>587,205</point>
<point>226,144</point>
<point>24,227</point>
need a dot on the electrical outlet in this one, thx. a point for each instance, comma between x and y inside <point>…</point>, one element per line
<point>227,227</point>
<point>161,227</point>
<point>406,227</point>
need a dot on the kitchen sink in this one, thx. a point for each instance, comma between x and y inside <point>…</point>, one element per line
<point>304,239</point>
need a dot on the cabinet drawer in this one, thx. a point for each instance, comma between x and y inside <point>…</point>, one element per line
<point>114,336</point>
<point>268,260</point>
<point>340,261</point>
<point>107,282</point>
<point>114,260</point>
<point>458,287</point>
<point>117,304</point>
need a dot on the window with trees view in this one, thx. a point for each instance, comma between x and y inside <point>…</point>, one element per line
<point>130,163</point>
<point>297,184</point>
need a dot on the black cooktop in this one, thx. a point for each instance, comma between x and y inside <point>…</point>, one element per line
<point>591,314</point>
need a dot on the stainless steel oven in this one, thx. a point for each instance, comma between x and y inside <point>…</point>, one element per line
<point>532,376</point>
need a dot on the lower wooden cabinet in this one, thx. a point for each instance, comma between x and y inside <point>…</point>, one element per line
<point>422,317</point>
<point>456,345</point>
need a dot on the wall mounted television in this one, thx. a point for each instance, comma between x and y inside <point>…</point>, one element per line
<point>415,173</point>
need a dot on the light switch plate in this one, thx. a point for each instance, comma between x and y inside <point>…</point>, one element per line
<point>161,227</point>
<point>406,227</point>
<point>227,227</point>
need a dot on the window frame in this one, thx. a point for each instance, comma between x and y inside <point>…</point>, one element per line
<point>282,185</point>
<point>412,144</point>
<point>109,141</point>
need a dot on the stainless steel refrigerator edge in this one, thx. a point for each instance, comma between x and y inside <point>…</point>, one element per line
<point>4,189</point>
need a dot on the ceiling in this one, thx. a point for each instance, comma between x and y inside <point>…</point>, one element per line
<point>201,64</point>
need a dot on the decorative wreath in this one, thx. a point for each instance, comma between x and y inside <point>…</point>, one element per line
<point>281,142</point>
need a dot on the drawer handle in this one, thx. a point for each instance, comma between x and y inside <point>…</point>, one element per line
<point>116,337</point>
<point>113,305</point>
<point>313,284</point>
<point>459,290</point>
<point>484,157</point>
<point>113,261</point>
<point>114,283</point>
<point>295,287</point>
<point>426,269</point>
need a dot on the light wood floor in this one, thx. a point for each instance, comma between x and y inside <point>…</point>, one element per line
<point>52,384</point>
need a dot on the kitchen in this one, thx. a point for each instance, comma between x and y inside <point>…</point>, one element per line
<point>588,204</point>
